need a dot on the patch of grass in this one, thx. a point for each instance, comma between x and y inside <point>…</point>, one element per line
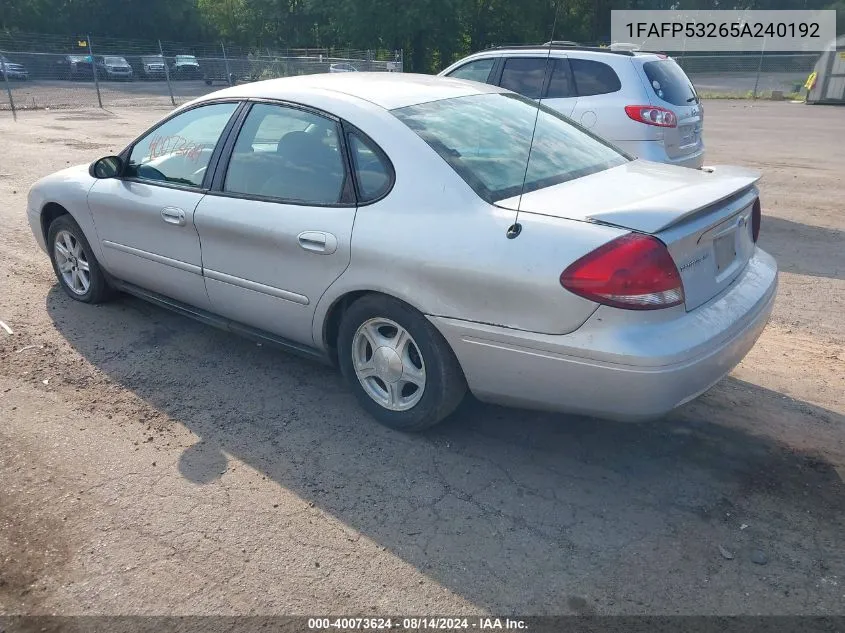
<point>749,95</point>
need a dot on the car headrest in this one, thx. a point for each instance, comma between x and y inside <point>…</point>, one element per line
<point>301,146</point>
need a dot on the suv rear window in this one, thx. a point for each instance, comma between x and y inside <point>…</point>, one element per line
<point>669,82</point>
<point>594,78</point>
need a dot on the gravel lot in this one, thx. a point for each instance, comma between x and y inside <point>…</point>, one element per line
<point>152,465</point>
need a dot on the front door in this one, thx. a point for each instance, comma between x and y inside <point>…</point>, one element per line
<point>145,219</point>
<point>276,227</point>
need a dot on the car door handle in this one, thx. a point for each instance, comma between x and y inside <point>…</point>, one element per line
<point>173,215</point>
<point>318,242</point>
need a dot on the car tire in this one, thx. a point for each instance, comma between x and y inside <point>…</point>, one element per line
<point>416,381</point>
<point>69,259</point>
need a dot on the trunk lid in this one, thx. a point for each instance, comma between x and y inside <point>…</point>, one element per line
<point>703,216</point>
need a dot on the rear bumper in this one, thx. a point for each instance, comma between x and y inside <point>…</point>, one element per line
<point>619,365</point>
<point>655,151</point>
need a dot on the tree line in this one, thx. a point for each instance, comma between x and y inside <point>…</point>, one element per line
<point>431,32</point>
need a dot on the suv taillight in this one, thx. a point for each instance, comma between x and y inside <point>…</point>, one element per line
<point>756,217</point>
<point>652,115</point>
<point>633,271</point>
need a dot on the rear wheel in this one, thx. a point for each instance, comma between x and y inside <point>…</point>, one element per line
<point>398,365</point>
<point>76,268</point>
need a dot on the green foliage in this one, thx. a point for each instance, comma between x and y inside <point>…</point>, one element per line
<point>433,33</point>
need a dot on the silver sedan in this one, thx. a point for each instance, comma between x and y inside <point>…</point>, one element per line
<point>428,236</point>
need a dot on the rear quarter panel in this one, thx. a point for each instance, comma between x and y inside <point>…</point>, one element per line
<point>433,243</point>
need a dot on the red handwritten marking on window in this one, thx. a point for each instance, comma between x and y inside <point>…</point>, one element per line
<point>176,145</point>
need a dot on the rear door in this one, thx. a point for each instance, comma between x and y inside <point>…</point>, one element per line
<point>669,87</point>
<point>525,75</point>
<point>277,225</point>
<point>561,93</point>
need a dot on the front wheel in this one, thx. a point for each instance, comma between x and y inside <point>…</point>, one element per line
<point>76,268</point>
<point>399,366</point>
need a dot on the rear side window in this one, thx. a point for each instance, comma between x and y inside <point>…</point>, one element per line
<point>479,70</point>
<point>287,154</point>
<point>371,168</point>
<point>669,82</point>
<point>561,84</point>
<point>525,75</point>
<point>594,78</point>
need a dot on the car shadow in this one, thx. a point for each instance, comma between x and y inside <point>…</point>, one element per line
<point>516,511</point>
<point>804,249</point>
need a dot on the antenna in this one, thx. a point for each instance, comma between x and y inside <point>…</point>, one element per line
<point>516,228</point>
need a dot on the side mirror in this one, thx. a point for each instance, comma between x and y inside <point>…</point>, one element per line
<point>108,167</point>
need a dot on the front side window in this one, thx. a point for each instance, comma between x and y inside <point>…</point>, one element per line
<point>479,70</point>
<point>371,170</point>
<point>486,140</point>
<point>525,75</point>
<point>179,150</point>
<point>288,154</point>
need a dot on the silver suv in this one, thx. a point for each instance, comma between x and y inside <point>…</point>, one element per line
<point>641,102</point>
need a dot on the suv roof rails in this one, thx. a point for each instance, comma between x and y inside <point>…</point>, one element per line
<point>624,46</point>
<point>564,47</point>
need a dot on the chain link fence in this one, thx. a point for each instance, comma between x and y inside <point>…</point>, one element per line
<point>43,71</point>
<point>756,76</point>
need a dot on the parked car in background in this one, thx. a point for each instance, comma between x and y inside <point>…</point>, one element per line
<point>113,68</point>
<point>186,67</point>
<point>642,102</point>
<point>12,70</point>
<point>370,220</point>
<point>75,67</point>
<point>152,67</point>
<point>342,67</point>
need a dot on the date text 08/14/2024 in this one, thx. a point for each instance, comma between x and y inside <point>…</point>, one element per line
<point>415,624</point>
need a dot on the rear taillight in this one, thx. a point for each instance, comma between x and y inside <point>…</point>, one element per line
<point>756,216</point>
<point>634,272</point>
<point>652,115</point>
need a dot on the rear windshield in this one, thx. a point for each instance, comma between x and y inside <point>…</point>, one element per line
<point>115,60</point>
<point>486,139</point>
<point>669,82</point>
<point>185,58</point>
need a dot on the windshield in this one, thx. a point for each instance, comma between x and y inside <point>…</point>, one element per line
<point>486,140</point>
<point>669,82</point>
<point>116,61</point>
<point>80,58</point>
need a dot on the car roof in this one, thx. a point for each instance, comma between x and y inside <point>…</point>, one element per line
<point>387,90</point>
